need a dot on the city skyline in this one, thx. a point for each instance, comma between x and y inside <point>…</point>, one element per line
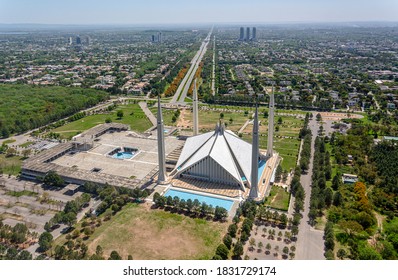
<point>174,12</point>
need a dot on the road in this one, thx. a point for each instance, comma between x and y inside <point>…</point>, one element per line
<point>310,242</point>
<point>182,90</point>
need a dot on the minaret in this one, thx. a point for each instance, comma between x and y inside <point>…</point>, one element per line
<point>161,150</point>
<point>254,174</point>
<point>270,143</point>
<point>195,110</point>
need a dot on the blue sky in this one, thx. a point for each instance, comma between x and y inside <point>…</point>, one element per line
<point>189,11</point>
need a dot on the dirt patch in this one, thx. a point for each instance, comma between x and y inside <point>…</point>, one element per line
<point>339,116</point>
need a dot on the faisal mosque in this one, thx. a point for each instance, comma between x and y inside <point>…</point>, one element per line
<point>219,162</point>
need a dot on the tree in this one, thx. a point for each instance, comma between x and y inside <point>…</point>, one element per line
<point>238,249</point>
<point>283,219</point>
<point>114,256</point>
<point>26,153</point>
<point>232,229</point>
<point>11,152</point>
<point>227,241</point>
<point>328,197</point>
<point>252,243</point>
<point>24,255</point>
<point>99,251</point>
<point>285,250</point>
<point>222,251</point>
<point>268,246</point>
<point>280,120</point>
<point>260,245</point>
<point>341,254</point>
<point>53,179</point>
<point>45,241</point>
<point>278,173</point>
<point>119,114</point>
<point>108,120</point>
<point>221,115</point>
<point>70,218</point>
<point>220,213</point>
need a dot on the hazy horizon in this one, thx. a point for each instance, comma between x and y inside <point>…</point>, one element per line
<point>174,12</point>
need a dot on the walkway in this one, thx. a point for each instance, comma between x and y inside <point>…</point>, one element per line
<point>148,113</point>
<point>310,242</point>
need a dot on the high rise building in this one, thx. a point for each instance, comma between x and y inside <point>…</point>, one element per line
<point>242,34</point>
<point>254,35</point>
<point>160,37</point>
<point>247,33</point>
<point>78,40</point>
<point>153,38</point>
<point>70,41</point>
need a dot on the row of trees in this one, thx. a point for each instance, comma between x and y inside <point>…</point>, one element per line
<point>190,207</point>
<point>113,197</point>
<point>321,194</point>
<point>69,215</point>
<point>248,210</point>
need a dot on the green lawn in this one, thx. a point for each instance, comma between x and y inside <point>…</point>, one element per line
<point>21,193</point>
<point>278,198</point>
<point>9,141</point>
<point>132,116</point>
<point>10,165</point>
<point>26,144</point>
<point>156,234</point>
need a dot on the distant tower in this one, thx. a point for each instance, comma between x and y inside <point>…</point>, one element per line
<point>242,34</point>
<point>70,41</point>
<point>78,40</point>
<point>270,143</point>
<point>88,40</point>
<point>160,37</point>
<point>195,110</point>
<point>254,174</point>
<point>153,38</point>
<point>161,149</point>
<point>254,35</point>
<point>247,33</point>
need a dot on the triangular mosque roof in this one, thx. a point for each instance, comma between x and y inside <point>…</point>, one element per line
<point>224,147</point>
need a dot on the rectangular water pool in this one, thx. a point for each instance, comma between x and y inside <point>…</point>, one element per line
<point>225,203</point>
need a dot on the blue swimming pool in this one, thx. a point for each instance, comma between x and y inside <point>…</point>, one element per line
<point>261,166</point>
<point>225,203</point>
<point>123,155</point>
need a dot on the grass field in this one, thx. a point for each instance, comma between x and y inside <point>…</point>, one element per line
<point>278,198</point>
<point>132,115</point>
<point>10,165</point>
<point>167,115</point>
<point>156,234</point>
<point>209,119</point>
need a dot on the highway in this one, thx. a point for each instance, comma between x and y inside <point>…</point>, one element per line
<point>182,90</point>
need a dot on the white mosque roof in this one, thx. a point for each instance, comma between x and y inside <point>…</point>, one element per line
<point>224,147</point>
